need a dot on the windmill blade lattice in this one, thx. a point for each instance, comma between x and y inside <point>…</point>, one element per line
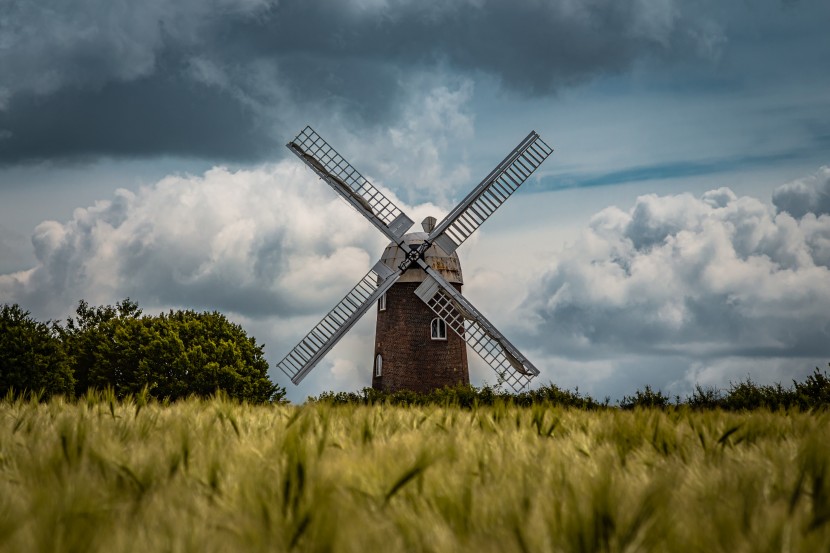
<point>466,321</point>
<point>411,252</point>
<point>491,193</point>
<point>305,355</point>
<point>350,184</point>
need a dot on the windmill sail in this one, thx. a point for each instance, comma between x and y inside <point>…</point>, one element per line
<point>493,191</point>
<point>466,321</point>
<point>350,184</point>
<point>305,355</point>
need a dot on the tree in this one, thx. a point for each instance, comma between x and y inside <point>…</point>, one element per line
<point>90,333</point>
<point>32,358</point>
<point>175,354</point>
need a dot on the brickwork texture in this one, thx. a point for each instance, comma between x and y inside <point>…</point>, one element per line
<point>412,360</point>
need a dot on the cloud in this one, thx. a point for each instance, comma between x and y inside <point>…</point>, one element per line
<point>679,290</point>
<point>88,43</point>
<point>807,195</point>
<point>221,79</point>
<point>701,278</point>
<point>149,116</point>
<point>14,250</point>
<point>272,241</point>
<point>424,153</point>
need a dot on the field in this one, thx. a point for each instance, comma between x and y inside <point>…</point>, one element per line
<point>214,475</point>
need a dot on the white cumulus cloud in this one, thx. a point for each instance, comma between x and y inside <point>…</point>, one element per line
<point>713,275</point>
<point>260,242</point>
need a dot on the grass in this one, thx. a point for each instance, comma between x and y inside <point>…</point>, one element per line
<point>214,475</point>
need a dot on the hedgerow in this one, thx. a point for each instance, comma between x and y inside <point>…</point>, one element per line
<point>812,393</point>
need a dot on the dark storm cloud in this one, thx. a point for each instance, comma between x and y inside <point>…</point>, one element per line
<point>161,114</point>
<point>531,46</point>
<point>214,79</point>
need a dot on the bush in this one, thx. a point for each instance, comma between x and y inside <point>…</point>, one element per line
<point>459,396</point>
<point>463,395</point>
<point>705,398</point>
<point>645,398</point>
<point>551,394</point>
<point>749,395</point>
<point>32,358</point>
<point>814,393</point>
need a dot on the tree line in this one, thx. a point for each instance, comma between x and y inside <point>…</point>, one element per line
<point>183,353</point>
<point>167,356</point>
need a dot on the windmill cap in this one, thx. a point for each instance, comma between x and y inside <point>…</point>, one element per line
<point>446,264</point>
<point>429,224</point>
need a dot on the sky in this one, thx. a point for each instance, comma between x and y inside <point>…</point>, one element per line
<point>679,235</point>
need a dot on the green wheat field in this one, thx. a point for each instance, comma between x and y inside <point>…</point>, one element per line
<point>216,475</point>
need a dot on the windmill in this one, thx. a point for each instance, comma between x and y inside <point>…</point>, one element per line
<point>424,255</point>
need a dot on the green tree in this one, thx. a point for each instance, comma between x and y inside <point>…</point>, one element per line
<point>174,354</point>
<point>32,358</point>
<point>89,335</point>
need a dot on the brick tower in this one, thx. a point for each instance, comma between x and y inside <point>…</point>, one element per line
<point>414,350</point>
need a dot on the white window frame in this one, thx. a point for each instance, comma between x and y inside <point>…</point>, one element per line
<point>382,302</point>
<point>378,365</point>
<point>435,327</point>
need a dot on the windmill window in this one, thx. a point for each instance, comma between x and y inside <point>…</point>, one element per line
<point>378,365</point>
<point>382,302</point>
<point>438,329</point>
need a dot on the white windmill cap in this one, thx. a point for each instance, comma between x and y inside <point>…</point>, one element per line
<point>445,263</point>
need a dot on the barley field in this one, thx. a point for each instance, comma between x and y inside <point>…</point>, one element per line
<point>214,475</point>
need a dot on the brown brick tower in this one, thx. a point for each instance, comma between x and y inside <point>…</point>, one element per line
<point>414,350</point>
